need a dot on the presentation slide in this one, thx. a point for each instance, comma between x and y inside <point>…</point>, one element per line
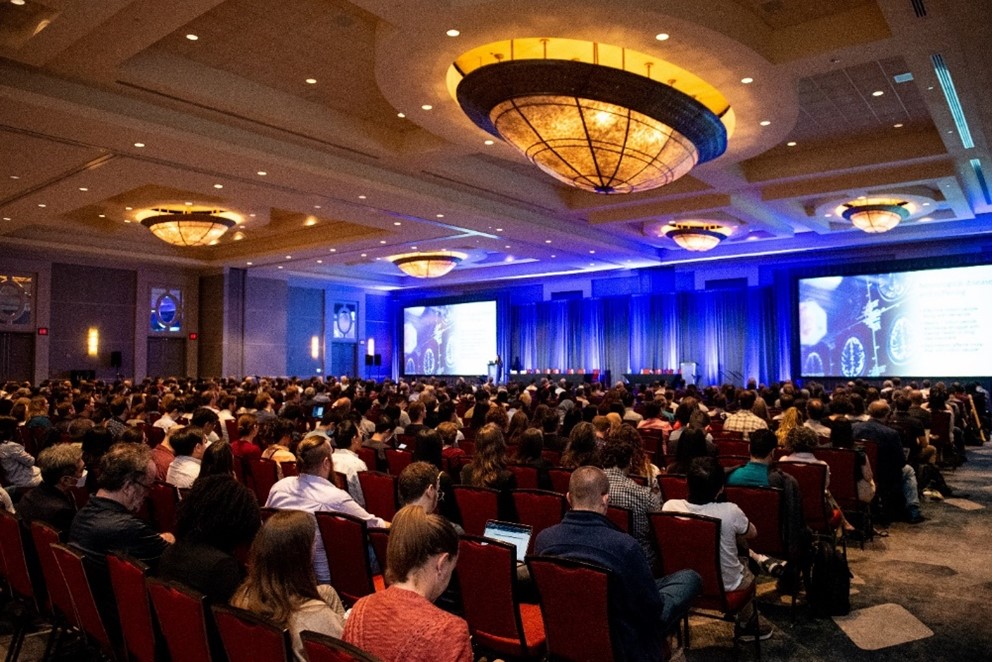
<point>907,324</point>
<point>457,339</point>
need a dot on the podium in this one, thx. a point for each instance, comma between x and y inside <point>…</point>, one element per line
<point>493,368</point>
<point>688,371</point>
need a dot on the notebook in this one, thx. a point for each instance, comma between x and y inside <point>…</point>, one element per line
<point>517,535</point>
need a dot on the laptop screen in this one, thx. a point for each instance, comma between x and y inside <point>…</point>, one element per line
<point>517,535</point>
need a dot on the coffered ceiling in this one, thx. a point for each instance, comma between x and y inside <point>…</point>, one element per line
<point>326,97</point>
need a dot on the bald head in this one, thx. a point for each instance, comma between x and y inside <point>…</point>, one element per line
<point>878,409</point>
<point>588,488</point>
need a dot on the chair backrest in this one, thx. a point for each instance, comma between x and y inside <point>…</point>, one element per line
<point>368,456</point>
<point>673,486</point>
<point>289,469</point>
<point>248,638</point>
<point>397,460</point>
<point>539,508</point>
<point>763,507</point>
<point>476,505</point>
<point>80,496</point>
<point>231,425</point>
<point>559,479</point>
<point>812,479</point>
<point>733,461</point>
<point>44,536</point>
<point>183,619</point>
<point>940,428</point>
<point>264,475</point>
<point>379,539</point>
<point>346,544</point>
<point>652,440</point>
<point>15,563</point>
<point>843,463</point>
<point>379,490</point>
<point>733,447</point>
<point>486,575</point>
<point>409,442</point>
<point>622,517</point>
<point>163,501</point>
<point>321,648</point>
<point>574,598</point>
<point>687,541</point>
<point>127,577</point>
<point>871,451</point>
<point>154,436</point>
<point>468,443</point>
<point>552,456</point>
<point>72,567</point>
<point>526,475</point>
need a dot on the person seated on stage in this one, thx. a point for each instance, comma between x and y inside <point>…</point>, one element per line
<point>281,586</point>
<point>894,477</point>
<point>51,502</point>
<point>188,444</point>
<point>643,610</point>
<point>218,515</point>
<point>312,492</point>
<point>744,419</point>
<point>706,481</point>
<point>401,624</point>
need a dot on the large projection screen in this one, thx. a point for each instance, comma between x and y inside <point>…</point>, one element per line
<point>926,323</point>
<point>453,339</point>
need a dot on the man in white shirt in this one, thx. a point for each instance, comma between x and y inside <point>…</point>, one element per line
<point>312,491</point>
<point>347,441</point>
<point>188,444</point>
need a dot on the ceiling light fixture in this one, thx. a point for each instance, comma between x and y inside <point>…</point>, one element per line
<point>697,236</point>
<point>875,215</point>
<point>427,264</point>
<point>452,33</point>
<point>311,81</point>
<point>594,116</point>
<point>747,80</point>
<point>192,37</point>
<point>662,36</point>
<point>189,227</point>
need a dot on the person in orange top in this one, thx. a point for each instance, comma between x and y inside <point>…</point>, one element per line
<point>402,624</point>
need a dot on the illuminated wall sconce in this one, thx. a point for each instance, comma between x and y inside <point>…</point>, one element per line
<point>370,347</point>
<point>93,341</point>
<point>315,347</point>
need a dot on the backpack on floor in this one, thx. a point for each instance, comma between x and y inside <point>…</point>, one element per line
<point>830,582</point>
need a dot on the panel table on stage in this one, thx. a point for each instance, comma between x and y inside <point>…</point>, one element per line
<point>570,378</point>
<point>646,379</point>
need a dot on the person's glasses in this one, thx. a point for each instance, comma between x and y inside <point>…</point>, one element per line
<point>147,486</point>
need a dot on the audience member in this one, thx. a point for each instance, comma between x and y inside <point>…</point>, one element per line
<point>51,502</point>
<point>188,444</point>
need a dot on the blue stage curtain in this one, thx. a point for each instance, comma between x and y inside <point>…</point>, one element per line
<point>523,336</point>
<point>618,339</point>
<point>552,335</point>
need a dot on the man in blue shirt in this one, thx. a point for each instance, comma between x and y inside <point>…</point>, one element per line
<point>643,610</point>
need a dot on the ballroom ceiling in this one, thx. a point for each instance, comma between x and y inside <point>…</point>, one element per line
<point>113,107</point>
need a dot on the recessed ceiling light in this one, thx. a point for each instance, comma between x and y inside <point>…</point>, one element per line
<point>554,256</point>
<point>378,259</point>
<point>127,220</point>
<point>252,215</point>
<point>897,125</point>
<point>249,263</point>
<point>103,216</point>
<point>310,222</point>
<point>452,33</point>
<point>311,81</point>
<point>83,188</point>
<point>188,204</point>
<point>413,248</point>
<point>129,208</point>
<point>15,177</point>
<point>547,241</point>
<point>440,215</point>
<point>6,218</point>
<point>488,142</point>
<point>662,36</point>
<point>507,246</point>
<point>139,144</point>
<point>592,264</point>
<point>499,229</point>
<point>192,37</point>
<point>764,122</point>
<point>289,257</point>
<point>218,186</point>
<point>401,115</point>
<point>17,2</point>
<point>365,255</point>
<point>878,93</point>
<point>791,143</point>
<point>361,197</point>
<point>592,252</point>
<point>316,206</point>
<point>747,80</point>
<point>382,241</point>
<point>261,173</point>
<point>279,267</point>
<point>320,262</point>
<point>333,250</point>
<point>427,106</point>
<point>397,223</point>
<point>42,205</point>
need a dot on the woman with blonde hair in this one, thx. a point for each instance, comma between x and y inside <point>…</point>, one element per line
<point>402,624</point>
<point>281,585</point>
<point>791,418</point>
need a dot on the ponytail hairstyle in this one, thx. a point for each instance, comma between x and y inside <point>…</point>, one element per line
<point>414,537</point>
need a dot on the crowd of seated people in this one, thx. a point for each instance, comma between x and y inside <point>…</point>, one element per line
<point>83,458</point>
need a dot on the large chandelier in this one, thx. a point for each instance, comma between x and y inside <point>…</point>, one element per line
<point>188,226</point>
<point>697,236</point>
<point>875,216</point>
<point>427,264</point>
<point>593,116</point>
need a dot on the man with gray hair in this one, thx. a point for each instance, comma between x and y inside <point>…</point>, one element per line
<point>51,502</point>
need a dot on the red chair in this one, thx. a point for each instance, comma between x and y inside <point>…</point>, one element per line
<point>233,434</point>
<point>468,443</point>
<point>812,479</point>
<point>844,475</point>
<point>348,556</point>
<point>554,457</point>
<point>574,599</point>
<point>127,577</point>
<point>476,505</point>
<point>80,496</point>
<point>652,440</point>
<point>379,490</point>
<point>44,536</point>
<point>559,479</point>
<point>763,507</point>
<point>71,566</point>
<point>526,475</point>
<point>154,436</point>
<point>690,541</point>
<point>622,517</point>
<point>733,447</point>
<point>871,450</point>
<point>733,461</point>
<point>17,577</point>
<point>163,501</point>
<point>397,460</point>
<point>183,618</point>
<point>673,486</point>
<point>409,442</point>
<point>940,434</point>
<point>368,456</point>
<point>263,476</point>
<point>379,539</point>
<point>497,621</point>
<point>289,469</point>
<point>538,508</point>
<point>321,648</point>
<point>248,638</point>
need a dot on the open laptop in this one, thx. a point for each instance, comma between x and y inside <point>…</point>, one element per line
<point>517,535</point>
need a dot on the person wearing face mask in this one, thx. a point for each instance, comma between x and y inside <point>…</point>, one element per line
<point>51,502</point>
